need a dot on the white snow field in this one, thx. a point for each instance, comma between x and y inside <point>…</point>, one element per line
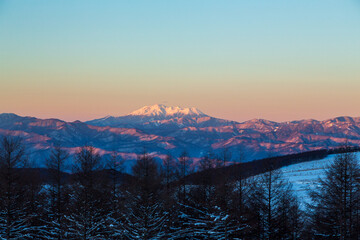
<point>305,176</point>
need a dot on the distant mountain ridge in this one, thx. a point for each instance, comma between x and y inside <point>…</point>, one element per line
<point>161,130</point>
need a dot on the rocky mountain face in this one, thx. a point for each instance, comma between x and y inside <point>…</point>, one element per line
<point>160,130</point>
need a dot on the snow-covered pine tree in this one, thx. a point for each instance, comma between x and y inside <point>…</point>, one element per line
<point>114,218</point>
<point>207,213</point>
<point>55,195</point>
<point>169,177</point>
<point>198,221</point>
<point>33,202</point>
<point>89,201</point>
<point>145,217</point>
<point>14,216</point>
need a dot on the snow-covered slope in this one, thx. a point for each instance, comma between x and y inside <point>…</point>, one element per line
<point>305,176</point>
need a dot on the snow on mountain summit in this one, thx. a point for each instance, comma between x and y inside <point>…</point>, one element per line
<point>160,110</point>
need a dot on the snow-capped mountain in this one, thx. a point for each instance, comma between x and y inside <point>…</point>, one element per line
<point>162,111</point>
<point>155,116</point>
<point>161,130</point>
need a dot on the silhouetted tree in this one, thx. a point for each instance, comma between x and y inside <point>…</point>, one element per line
<point>225,157</point>
<point>335,202</point>
<point>56,195</point>
<point>169,173</point>
<point>115,166</point>
<point>144,216</point>
<point>14,218</point>
<point>115,218</point>
<point>242,188</point>
<point>270,199</point>
<point>207,213</point>
<point>89,205</point>
<point>184,169</point>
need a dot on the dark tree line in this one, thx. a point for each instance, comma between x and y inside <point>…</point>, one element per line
<point>159,202</point>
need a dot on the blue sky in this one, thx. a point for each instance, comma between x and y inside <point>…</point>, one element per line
<point>279,60</point>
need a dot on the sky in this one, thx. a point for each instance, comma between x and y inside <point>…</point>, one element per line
<point>82,59</point>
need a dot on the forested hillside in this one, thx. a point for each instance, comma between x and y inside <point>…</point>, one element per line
<point>170,201</point>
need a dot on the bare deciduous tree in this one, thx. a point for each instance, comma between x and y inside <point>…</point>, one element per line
<point>335,202</point>
<point>14,222</point>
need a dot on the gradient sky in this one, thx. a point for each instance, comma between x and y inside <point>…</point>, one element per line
<point>238,60</point>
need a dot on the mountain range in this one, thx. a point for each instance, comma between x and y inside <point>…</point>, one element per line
<point>160,130</point>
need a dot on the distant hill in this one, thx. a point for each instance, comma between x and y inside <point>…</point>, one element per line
<point>285,163</point>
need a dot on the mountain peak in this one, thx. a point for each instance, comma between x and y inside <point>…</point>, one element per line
<point>8,116</point>
<point>160,110</point>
